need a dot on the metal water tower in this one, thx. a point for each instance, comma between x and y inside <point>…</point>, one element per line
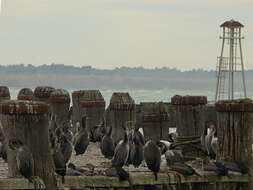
<point>230,63</point>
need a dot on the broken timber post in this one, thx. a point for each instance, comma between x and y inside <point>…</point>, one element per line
<point>154,121</point>
<point>28,122</point>
<point>92,105</point>
<point>4,93</point>
<point>60,101</point>
<point>234,130</point>
<point>120,114</point>
<point>25,94</point>
<point>190,114</point>
<point>42,93</point>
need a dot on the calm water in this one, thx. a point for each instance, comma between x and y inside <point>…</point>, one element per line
<point>147,95</point>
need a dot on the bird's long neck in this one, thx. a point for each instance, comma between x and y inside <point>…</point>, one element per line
<point>125,137</point>
<point>110,131</point>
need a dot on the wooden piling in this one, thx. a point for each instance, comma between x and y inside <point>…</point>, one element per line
<point>189,114</point>
<point>25,94</point>
<point>60,101</point>
<point>155,120</point>
<point>91,104</point>
<point>28,122</point>
<point>120,114</point>
<point>42,93</point>
<point>234,130</point>
<point>4,93</point>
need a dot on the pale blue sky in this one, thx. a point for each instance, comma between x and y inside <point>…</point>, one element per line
<point>113,33</point>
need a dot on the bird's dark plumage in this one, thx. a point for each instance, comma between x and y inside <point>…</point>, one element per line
<point>152,156</point>
<point>121,153</point>
<point>81,140</point>
<point>66,148</point>
<point>136,151</point>
<point>217,167</point>
<point>183,169</point>
<point>107,145</point>
<point>59,163</point>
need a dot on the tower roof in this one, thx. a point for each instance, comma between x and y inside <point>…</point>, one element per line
<point>232,24</point>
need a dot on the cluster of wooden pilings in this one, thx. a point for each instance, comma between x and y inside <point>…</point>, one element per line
<point>28,119</point>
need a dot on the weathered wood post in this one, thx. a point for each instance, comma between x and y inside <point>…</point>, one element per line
<point>60,101</point>
<point>42,93</point>
<point>155,120</point>
<point>189,114</point>
<point>234,130</point>
<point>4,93</point>
<point>25,94</point>
<point>28,122</point>
<point>76,114</point>
<point>120,113</point>
<point>92,104</point>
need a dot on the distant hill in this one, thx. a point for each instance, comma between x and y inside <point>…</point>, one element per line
<point>65,76</point>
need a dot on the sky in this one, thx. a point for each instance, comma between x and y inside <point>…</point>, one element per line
<point>113,33</point>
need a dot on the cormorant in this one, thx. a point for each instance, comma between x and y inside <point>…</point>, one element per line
<point>237,166</point>
<point>183,169</point>
<point>3,151</point>
<point>66,148</point>
<point>173,156</point>
<point>24,158</point>
<point>217,167</point>
<point>67,132</point>
<point>72,171</point>
<point>59,163</point>
<point>152,156</point>
<point>81,140</point>
<point>107,145</point>
<point>136,151</point>
<point>121,152</point>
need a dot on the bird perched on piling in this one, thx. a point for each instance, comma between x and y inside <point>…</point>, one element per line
<point>152,156</point>
<point>59,162</point>
<point>107,145</point>
<point>67,132</point>
<point>3,151</point>
<point>237,166</point>
<point>173,156</point>
<point>217,167</point>
<point>81,140</point>
<point>121,152</point>
<point>66,148</point>
<point>24,158</point>
<point>136,151</point>
<point>183,169</point>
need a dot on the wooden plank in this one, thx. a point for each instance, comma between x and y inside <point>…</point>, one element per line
<point>147,178</point>
<point>18,184</point>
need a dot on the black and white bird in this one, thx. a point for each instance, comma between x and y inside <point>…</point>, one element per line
<point>152,157</point>
<point>81,140</point>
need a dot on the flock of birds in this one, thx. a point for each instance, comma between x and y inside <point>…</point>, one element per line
<point>130,150</point>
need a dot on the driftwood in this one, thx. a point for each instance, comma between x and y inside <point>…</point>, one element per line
<point>28,122</point>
